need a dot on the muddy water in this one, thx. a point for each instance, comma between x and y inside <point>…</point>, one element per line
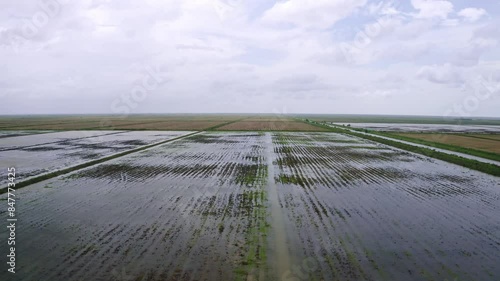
<point>442,128</point>
<point>463,155</point>
<point>249,206</point>
<point>49,152</point>
<point>368,212</point>
<point>10,134</point>
<point>190,210</point>
<point>32,140</point>
<point>279,254</point>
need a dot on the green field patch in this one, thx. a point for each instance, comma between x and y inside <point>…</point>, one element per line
<point>130,172</point>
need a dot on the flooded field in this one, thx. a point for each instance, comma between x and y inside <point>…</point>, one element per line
<point>490,143</point>
<point>270,125</point>
<point>262,206</point>
<point>16,142</point>
<point>41,153</point>
<point>439,128</point>
<point>364,212</point>
<point>8,134</point>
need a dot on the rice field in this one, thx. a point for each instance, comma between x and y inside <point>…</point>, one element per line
<point>489,143</point>
<point>152,122</point>
<point>269,125</point>
<point>7,134</point>
<point>181,122</point>
<point>38,154</point>
<point>425,128</point>
<point>53,137</point>
<point>260,206</point>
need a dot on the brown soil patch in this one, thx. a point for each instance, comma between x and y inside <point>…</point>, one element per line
<point>458,140</point>
<point>270,126</point>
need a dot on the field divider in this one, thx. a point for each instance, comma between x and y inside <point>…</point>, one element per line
<point>64,140</point>
<point>282,259</point>
<point>468,161</point>
<point>479,137</point>
<point>60,172</point>
<point>214,128</point>
<point>481,154</point>
<point>117,127</point>
<point>413,142</point>
<point>15,127</point>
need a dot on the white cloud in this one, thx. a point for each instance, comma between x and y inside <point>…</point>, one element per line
<point>311,13</point>
<point>432,8</point>
<point>383,8</point>
<point>470,54</point>
<point>377,94</point>
<point>244,56</point>
<point>441,74</point>
<point>472,14</point>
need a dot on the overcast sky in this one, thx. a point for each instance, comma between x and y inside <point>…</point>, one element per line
<point>426,57</point>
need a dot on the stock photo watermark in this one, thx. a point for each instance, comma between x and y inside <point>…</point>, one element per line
<point>279,118</point>
<point>121,274</point>
<point>11,219</point>
<point>301,271</point>
<point>32,26</point>
<point>364,37</point>
<point>482,89</point>
<point>152,78</point>
<point>126,102</point>
<point>226,8</point>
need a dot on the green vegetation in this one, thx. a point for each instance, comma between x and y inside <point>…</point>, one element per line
<point>250,175</point>
<point>286,179</point>
<point>85,165</point>
<point>213,128</point>
<point>210,200</point>
<point>468,163</point>
<point>401,119</point>
<point>253,202</point>
<point>470,151</point>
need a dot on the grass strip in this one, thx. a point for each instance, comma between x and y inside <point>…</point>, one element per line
<point>487,168</point>
<point>485,137</point>
<point>470,151</point>
<point>112,127</point>
<point>213,128</point>
<point>455,148</point>
<point>455,159</point>
<point>270,131</point>
<point>88,164</point>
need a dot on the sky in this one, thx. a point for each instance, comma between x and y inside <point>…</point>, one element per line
<point>418,57</point>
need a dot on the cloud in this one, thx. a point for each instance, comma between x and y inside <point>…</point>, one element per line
<point>300,83</point>
<point>471,54</point>
<point>432,8</point>
<point>440,74</point>
<point>244,56</point>
<point>311,13</point>
<point>377,94</point>
<point>489,31</point>
<point>472,14</point>
<point>383,8</point>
